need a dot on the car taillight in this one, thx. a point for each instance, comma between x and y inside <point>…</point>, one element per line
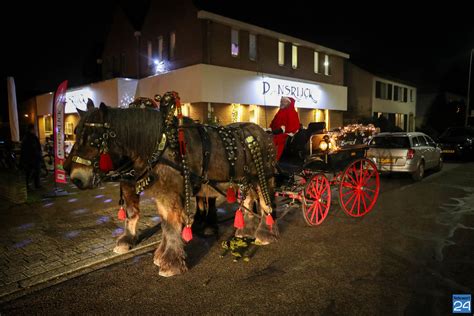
<point>410,153</point>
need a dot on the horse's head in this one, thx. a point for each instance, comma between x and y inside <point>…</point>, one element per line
<point>93,148</point>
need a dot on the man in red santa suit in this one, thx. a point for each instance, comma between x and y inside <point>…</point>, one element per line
<point>286,122</point>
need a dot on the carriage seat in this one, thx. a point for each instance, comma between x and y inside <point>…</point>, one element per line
<point>298,143</point>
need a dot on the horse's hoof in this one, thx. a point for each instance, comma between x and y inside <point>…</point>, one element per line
<point>167,273</point>
<point>260,242</point>
<point>156,261</point>
<point>121,249</point>
<point>171,272</point>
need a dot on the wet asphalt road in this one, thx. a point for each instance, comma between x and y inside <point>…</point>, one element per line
<point>408,256</point>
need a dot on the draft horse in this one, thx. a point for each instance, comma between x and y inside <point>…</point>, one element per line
<point>147,149</point>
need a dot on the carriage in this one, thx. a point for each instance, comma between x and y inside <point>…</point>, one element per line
<point>315,161</point>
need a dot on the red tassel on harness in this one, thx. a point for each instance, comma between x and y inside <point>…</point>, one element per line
<point>231,195</point>
<point>182,144</point>
<point>239,219</point>
<point>187,233</point>
<point>121,214</point>
<point>105,163</point>
<point>269,221</point>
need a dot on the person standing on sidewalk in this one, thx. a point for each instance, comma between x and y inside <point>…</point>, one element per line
<point>31,156</point>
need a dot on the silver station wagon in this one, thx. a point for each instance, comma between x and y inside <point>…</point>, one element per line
<point>405,152</point>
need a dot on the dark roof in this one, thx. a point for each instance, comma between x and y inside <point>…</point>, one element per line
<point>380,73</point>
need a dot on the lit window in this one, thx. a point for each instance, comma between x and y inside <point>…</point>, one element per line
<point>150,51</point>
<point>236,112</point>
<point>160,48</point>
<point>294,57</point>
<point>400,120</point>
<point>172,44</point>
<point>252,47</point>
<point>316,62</point>
<point>327,69</point>
<point>48,124</point>
<point>234,45</point>
<point>253,113</point>
<point>281,53</point>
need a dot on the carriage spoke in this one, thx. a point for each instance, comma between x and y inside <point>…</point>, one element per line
<point>361,172</point>
<point>353,181</point>
<point>369,198</point>
<point>354,203</point>
<point>318,210</point>
<point>314,211</point>
<point>352,196</point>
<point>367,179</point>
<point>347,192</point>
<point>348,185</point>
<point>358,203</point>
<point>363,201</point>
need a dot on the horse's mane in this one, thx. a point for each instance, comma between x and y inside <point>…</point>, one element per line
<point>137,129</point>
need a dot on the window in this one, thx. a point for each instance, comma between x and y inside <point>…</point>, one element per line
<point>327,66</point>
<point>252,47</point>
<point>294,56</point>
<point>234,43</point>
<point>48,124</point>
<point>430,141</point>
<point>150,51</point>
<point>390,142</point>
<point>383,90</point>
<point>389,91</point>
<point>378,89</point>
<point>415,142</point>
<point>422,141</point>
<point>411,95</point>
<point>160,48</point>
<point>281,53</point>
<point>396,93</point>
<point>316,62</point>
<point>172,44</point>
<point>400,120</point>
<point>405,95</point>
<point>68,128</point>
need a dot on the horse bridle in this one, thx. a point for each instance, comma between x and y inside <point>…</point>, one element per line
<point>101,143</point>
<point>125,171</point>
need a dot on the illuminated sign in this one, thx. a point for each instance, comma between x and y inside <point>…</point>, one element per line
<point>306,95</point>
<point>77,99</point>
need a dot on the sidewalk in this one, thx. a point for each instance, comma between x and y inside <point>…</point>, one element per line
<point>49,240</point>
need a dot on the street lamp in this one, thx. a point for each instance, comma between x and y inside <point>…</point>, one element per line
<point>468,88</point>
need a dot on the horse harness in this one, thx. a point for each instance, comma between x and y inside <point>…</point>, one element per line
<point>169,138</point>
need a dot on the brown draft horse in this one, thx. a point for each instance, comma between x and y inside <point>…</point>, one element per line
<point>133,135</point>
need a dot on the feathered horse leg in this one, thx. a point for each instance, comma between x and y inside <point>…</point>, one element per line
<point>267,231</point>
<point>170,255</point>
<point>127,240</point>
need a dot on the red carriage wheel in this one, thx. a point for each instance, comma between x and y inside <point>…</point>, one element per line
<point>316,199</point>
<point>359,187</point>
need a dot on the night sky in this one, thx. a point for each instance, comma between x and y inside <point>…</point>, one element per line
<point>428,46</point>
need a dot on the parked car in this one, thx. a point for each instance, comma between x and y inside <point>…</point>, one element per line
<point>457,142</point>
<point>412,153</point>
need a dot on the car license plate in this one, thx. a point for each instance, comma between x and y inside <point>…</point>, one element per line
<point>447,151</point>
<point>386,160</point>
